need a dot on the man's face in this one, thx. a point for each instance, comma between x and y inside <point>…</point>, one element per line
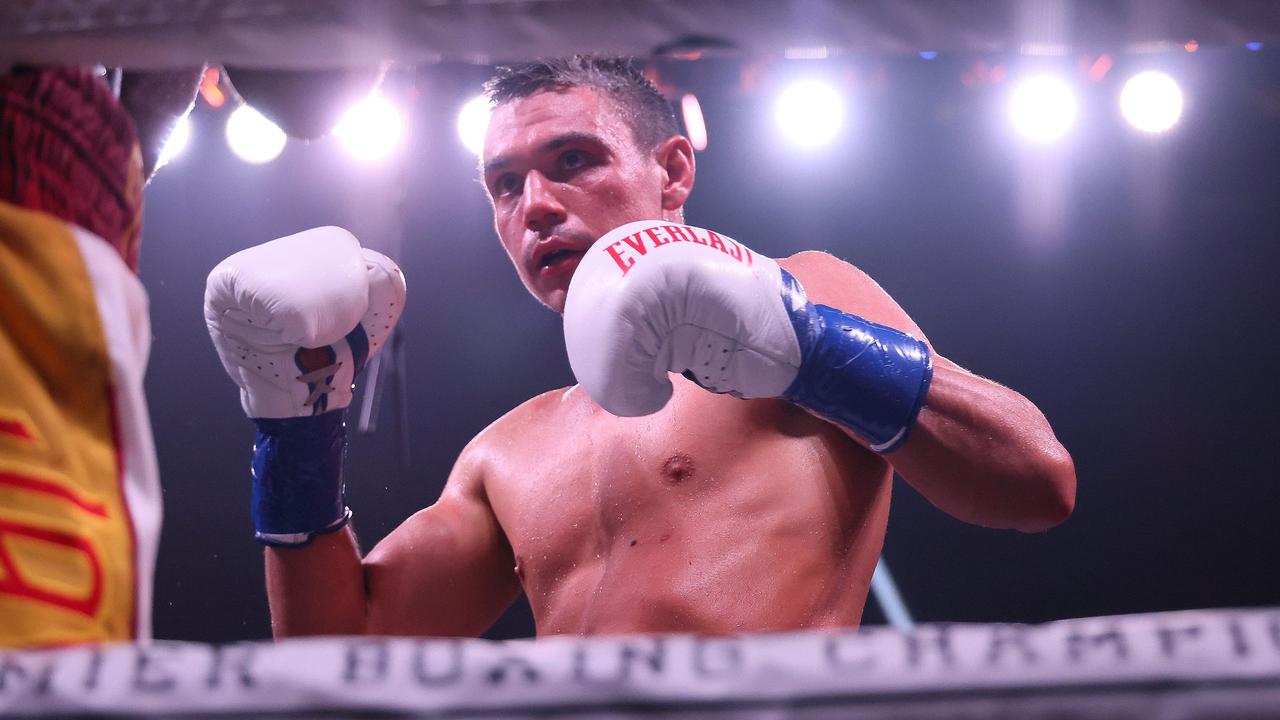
<point>562,168</point>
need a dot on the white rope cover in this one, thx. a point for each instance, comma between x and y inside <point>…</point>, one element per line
<point>1190,664</point>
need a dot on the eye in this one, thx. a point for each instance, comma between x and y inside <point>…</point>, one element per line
<point>573,159</point>
<point>506,184</point>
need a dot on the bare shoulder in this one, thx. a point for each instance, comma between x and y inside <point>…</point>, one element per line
<point>831,281</point>
<point>505,440</point>
<point>463,514</point>
<point>815,258</point>
<point>826,276</point>
<point>517,422</point>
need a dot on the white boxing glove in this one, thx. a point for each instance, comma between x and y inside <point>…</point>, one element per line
<point>295,319</point>
<point>650,298</point>
<point>654,297</point>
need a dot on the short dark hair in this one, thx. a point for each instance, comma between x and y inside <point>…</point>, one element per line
<point>621,79</point>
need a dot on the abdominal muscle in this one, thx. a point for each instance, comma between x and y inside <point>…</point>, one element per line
<point>715,515</point>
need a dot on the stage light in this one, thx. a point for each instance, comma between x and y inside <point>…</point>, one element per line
<point>1100,67</point>
<point>809,113</point>
<point>176,142</point>
<point>1253,46</point>
<point>473,121</point>
<point>252,137</point>
<point>819,52</point>
<point>210,90</point>
<point>1151,101</point>
<point>694,123</point>
<point>1042,108</point>
<point>371,128</point>
<point>929,54</point>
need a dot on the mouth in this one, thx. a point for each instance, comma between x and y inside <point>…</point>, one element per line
<point>557,261</point>
<point>558,254</point>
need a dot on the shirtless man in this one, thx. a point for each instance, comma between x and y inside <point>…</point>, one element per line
<point>713,514</point>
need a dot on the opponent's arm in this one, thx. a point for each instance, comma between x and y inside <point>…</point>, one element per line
<point>977,450</point>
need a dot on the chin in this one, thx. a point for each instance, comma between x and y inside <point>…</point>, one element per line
<point>555,301</point>
<point>552,299</point>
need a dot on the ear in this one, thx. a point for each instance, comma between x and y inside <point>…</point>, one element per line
<point>675,156</point>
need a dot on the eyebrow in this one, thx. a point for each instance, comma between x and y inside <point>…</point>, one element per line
<point>555,143</point>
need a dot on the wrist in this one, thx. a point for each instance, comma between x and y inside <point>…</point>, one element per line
<point>298,488</point>
<point>869,378</point>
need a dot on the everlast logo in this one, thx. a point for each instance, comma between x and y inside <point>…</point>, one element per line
<point>625,251</point>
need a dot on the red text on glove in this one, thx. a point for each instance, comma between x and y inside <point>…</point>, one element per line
<point>625,251</point>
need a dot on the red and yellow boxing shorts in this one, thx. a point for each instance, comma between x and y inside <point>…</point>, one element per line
<point>79,489</point>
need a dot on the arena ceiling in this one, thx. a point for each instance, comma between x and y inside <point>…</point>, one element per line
<point>325,33</point>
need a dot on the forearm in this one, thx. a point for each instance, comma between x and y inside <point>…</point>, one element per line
<point>293,321</point>
<point>318,589</point>
<point>986,455</point>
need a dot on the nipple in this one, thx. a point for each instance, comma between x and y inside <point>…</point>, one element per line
<point>677,469</point>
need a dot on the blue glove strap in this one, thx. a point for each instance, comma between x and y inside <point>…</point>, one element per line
<point>297,478</point>
<point>864,376</point>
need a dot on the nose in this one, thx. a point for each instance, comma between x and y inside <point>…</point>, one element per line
<point>542,209</point>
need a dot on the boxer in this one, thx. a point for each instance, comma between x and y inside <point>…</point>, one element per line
<point>724,463</point>
<point>79,489</point>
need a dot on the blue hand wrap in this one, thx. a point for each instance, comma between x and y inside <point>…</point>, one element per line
<point>297,478</point>
<point>864,376</point>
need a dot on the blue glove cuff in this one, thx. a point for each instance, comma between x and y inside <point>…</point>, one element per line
<point>298,489</point>
<point>864,376</point>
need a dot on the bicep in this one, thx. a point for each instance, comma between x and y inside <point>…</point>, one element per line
<point>446,571</point>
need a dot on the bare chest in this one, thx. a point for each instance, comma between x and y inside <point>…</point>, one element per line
<point>586,488</point>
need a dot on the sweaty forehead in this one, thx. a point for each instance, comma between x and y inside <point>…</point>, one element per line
<point>524,125</point>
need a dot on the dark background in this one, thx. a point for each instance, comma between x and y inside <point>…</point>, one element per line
<point>1139,316</point>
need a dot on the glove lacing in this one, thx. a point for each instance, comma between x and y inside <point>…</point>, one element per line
<point>318,380</point>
